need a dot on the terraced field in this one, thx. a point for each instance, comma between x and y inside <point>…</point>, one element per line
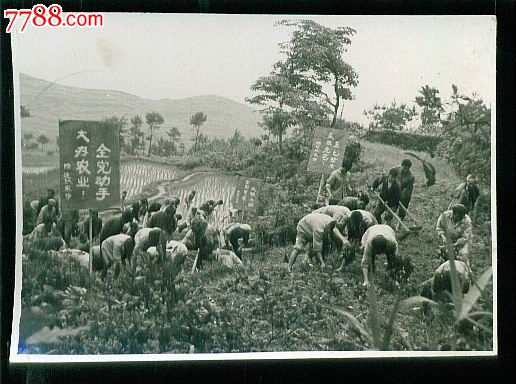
<point>207,186</point>
<point>136,174</point>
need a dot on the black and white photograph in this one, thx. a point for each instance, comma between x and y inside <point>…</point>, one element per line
<point>232,187</point>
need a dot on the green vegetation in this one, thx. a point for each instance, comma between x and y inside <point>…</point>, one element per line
<point>405,140</point>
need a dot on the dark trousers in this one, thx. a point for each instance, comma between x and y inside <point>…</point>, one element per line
<point>406,195</point>
<point>380,209</point>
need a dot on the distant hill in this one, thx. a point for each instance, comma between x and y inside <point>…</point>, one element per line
<point>48,103</point>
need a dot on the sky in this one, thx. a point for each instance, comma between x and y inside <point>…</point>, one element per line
<point>167,56</point>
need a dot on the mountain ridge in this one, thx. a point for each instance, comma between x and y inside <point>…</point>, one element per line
<point>50,102</point>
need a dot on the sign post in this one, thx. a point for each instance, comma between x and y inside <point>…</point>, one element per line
<point>327,153</point>
<point>245,195</point>
<point>91,242</point>
<point>89,165</point>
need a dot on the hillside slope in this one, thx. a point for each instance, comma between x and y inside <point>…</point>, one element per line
<point>48,103</point>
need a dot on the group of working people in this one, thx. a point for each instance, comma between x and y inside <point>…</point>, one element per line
<point>344,221</point>
<point>124,236</point>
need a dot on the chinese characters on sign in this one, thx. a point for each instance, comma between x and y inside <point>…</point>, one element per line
<point>245,195</point>
<point>327,150</point>
<point>89,164</point>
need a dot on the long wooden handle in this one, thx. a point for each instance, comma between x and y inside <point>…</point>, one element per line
<point>320,188</point>
<point>90,233</point>
<point>408,213</point>
<point>195,261</point>
<point>390,210</point>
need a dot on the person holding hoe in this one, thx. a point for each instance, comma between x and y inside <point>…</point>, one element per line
<point>390,195</point>
<point>406,179</point>
<point>455,225</point>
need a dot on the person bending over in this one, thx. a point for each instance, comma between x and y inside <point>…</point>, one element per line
<point>317,229</point>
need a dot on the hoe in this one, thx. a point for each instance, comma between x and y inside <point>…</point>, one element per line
<point>408,230</point>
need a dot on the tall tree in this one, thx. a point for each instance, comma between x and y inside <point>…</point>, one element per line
<point>316,52</point>
<point>393,117</point>
<point>277,122</point>
<point>174,135</point>
<point>136,132</point>
<point>42,139</point>
<point>286,98</point>
<point>197,120</point>
<point>431,106</point>
<point>466,136</point>
<point>154,121</point>
<point>236,139</point>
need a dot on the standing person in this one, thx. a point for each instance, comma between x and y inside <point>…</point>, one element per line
<point>51,194</point>
<point>339,183</point>
<point>406,179</point>
<point>378,239</point>
<point>390,193</point>
<point>189,199</point>
<point>48,210</point>
<point>455,224</point>
<point>122,200</point>
<point>116,250</point>
<point>317,229</point>
<point>466,194</point>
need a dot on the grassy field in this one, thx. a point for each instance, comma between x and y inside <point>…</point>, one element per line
<point>261,307</point>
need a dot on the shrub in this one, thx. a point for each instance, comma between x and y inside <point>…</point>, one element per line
<point>466,140</point>
<point>405,140</point>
